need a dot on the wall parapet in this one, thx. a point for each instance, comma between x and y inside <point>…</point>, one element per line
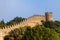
<point>6,27</point>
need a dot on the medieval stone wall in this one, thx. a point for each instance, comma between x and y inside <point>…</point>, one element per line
<point>31,21</point>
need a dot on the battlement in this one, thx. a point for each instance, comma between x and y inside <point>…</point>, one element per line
<point>30,21</point>
<point>47,17</point>
<point>6,27</point>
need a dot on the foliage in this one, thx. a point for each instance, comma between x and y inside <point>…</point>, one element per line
<point>15,20</point>
<point>53,25</point>
<point>9,37</point>
<point>2,24</point>
<point>36,33</point>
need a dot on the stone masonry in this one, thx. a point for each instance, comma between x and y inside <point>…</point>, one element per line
<point>31,21</point>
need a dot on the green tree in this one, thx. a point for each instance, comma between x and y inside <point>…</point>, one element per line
<point>15,20</point>
<point>50,24</point>
<point>2,24</point>
<point>8,37</point>
<point>36,33</point>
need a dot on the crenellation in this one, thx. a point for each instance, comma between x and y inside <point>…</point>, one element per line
<point>30,21</point>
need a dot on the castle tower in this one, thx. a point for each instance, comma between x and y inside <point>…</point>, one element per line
<point>49,16</point>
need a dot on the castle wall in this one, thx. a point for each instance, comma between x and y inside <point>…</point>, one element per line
<point>31,21</point>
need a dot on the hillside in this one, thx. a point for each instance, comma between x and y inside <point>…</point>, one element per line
<point>35,27</point>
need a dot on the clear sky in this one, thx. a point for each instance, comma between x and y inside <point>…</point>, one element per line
<point>25,8</point>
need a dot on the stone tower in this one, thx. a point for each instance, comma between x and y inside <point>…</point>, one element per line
<point>49,16</point>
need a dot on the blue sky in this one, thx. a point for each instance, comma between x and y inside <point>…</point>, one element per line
<point>25,8</point>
